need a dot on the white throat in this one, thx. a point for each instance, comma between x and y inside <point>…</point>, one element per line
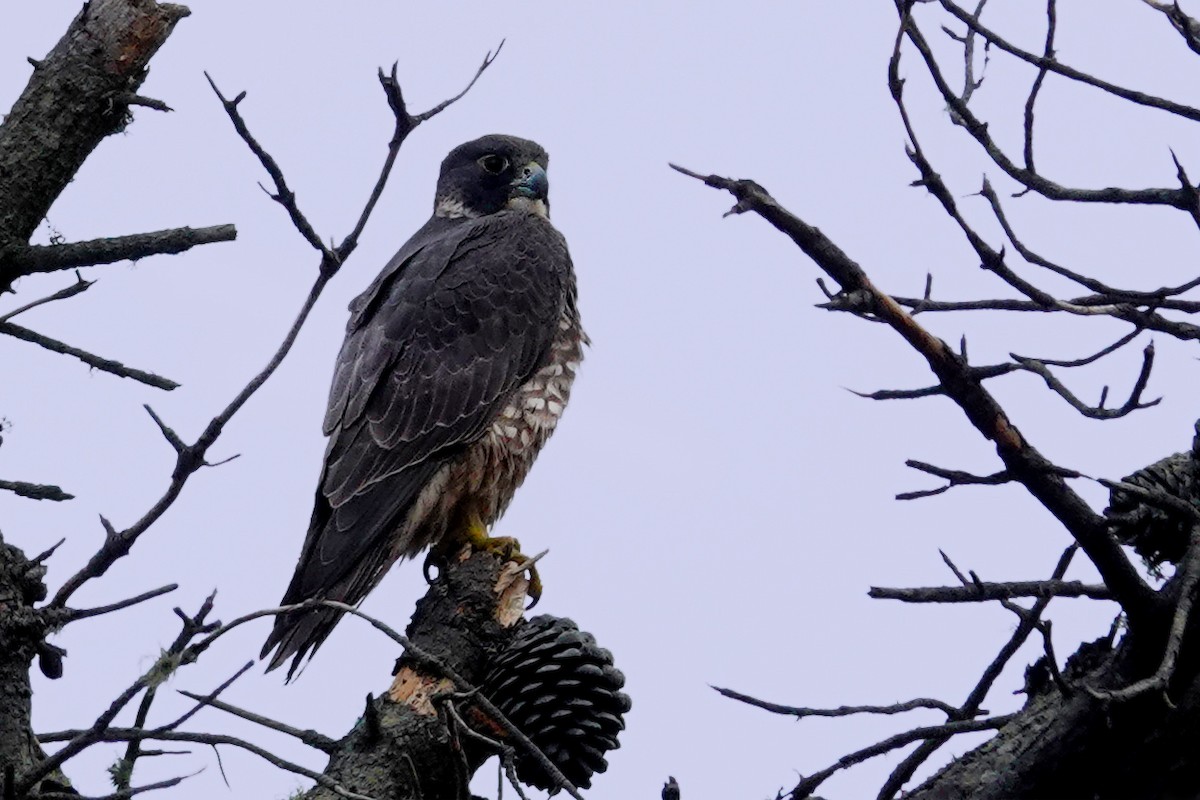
<point>529,205</point>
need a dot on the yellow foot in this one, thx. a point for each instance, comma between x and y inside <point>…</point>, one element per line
<point>509,549</point>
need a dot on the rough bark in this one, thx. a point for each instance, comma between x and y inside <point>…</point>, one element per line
<point>79,94</point>
<point>402,748</point>
<point>1077,746</point>
<point>21,633</point>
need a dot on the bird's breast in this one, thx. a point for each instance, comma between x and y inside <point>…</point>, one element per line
<point>533,411</point>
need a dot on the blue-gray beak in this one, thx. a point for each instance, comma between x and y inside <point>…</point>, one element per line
<point>531,182</point>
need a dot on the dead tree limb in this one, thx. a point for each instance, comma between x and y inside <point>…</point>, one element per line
<point>1022,460</point>
<point>19,260</point>
<point>77,96</point>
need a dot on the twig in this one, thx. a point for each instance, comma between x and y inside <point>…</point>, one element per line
<point>207,699</point>
<point>78,287</point>
<point>35,491</point>
<point>123,771</point>
<point>129,734</point>
<point>953,477</point>
<point>121,794</point>
<point>1134,403</point>
<point>130,99</point>
<point>970,83</point>
<point>975,699</point>
<point>1053,65</point>
<point>840,711</point>
<point>314,739</point>
<point>978,373</point>
<point>283,194</point>
<point>162,668</point>
<point>808,785</point>
<point>1031,180</point>
<point>69,615</point>
<point>1048,55</point>
<point>94,361</point>
<point>405,124</point>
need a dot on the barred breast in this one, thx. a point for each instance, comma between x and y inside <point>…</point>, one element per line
<point>505,454</point>
<point>494,467</point>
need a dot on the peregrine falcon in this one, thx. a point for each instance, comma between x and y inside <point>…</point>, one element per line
<point>457,364</point>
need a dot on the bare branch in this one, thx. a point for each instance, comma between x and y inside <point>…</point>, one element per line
<point>984,591</point>
<point>953,478</point>
<point>840,711</point>
<point>70,615</point>
<point>1134,403</point>
<point>283,195</point>
<point>213,739</point>
<point>94,361</point>
<point>1048,54</point>
<point>206,699</point>
<point>405,124</point>
<point>1188,27</point>
<point>78,287</point>
<point>1034,181</point>
<point>163,667</point>
<point>1028,623</point>
<point>1021,459</point>
<point>808,785</point>
<point>122,794</point>
<point>442,106</point>
<point>1055,66</point>
<point>35,491</point>
<point>312,738</point>
<point>19,260</point>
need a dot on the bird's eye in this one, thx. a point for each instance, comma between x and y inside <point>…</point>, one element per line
<point>493,163</point>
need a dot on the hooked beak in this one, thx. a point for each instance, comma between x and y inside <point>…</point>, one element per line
<point>531,182</point>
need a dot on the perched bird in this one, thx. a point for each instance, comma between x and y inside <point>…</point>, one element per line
<point>458,362</point>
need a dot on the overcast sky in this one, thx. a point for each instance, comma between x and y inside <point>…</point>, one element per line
<point>715,502</point>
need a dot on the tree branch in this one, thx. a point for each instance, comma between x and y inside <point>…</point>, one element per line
<point>35,491</point>
<point>840,711</point>
<point>807,786</point>
<point>308,736</point>
<point>19,260</point>
<point>1021,459</point>
<point>92,360</point>
<point>984,591</point>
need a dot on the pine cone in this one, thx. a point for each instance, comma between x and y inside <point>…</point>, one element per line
<point>1158,535</point>
<point>563,692</point>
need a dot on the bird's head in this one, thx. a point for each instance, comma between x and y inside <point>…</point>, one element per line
<point>493,173</point>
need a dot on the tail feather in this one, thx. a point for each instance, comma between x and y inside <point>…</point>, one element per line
<point>297,635</point>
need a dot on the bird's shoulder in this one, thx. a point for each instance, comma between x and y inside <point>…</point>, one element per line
<point>447,254</point>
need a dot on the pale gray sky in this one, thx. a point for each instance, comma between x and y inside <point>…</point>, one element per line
<point>715,502</point>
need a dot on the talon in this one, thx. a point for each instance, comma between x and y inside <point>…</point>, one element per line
<point>534,590</point>
<point>508,549</point>
<point>431,563</point>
